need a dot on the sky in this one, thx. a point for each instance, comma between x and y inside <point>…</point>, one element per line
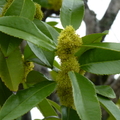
<point>113,36</point>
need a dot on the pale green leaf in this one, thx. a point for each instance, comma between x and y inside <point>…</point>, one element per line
<point>46,109</point>
<point>72,12</point>
<point>85,98</point>
<point>12,69</point>
<point>105,91</point>
<point>55,105</point>
<point>110,107</point>
<point>25,100</point>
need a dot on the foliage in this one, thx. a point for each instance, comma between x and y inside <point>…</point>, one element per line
<point>18,22</point>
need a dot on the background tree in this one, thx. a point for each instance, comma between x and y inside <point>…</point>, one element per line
<point>43,54</point>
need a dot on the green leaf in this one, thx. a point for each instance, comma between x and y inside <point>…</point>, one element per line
<point>89,39</point>
<point>46,109</point>
<point>25,29</point>
<point>4,93</point>
<point>12,69</point>
<point>107,46</point>
<point>85,98</point>
<point>25,8</point>
<point>72,12</point>
<point>69,114</point>
<point>30,56</point>
<point>47,57</point>
<point>105,91</point>
<point>100,61</point>
<point>43,3</point>
<point>25,100</point>
<point>8,43</point>
<point>55,105</point>
<point>110,107</point>
<point>34,77</point>
<point>47,30</point>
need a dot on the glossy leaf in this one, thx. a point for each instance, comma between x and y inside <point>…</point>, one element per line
<point>100,61</point>
<point>25,8</point>
<point>89,39</point>
<point>47,30</point>
<point>25,29</point>
<point>8,43</point>
<point>43,3</point>
<point>26,99</point>
<point>105,91</point>
<point>34,77</point>
<point>69,114</point>
<point>107,46</point>
<point>12,69</point>
<point>85,98</point>
<point>110,107</point>
<point>71,13</point>
<point>46,109</point>
<point>30,56</point>
<point>55,105</point>
<point>4,93</point>
<point>47,57</point>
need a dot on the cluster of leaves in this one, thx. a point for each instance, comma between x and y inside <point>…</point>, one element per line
<point>19,24</point>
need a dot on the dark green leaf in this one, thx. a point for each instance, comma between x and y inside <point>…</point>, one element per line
<point>43,3</point>
<point>110,107</point>
<point>105,91</point>
<point>12,69</point>
<point>85,98</point>
<point>34,77</point>
<point>25,29</point>
<point>88,39</point>
<point>47,57</point>
<point>8,43</point>
<point>72,12</point>
<point>46,109</point>
<point>25,8</point>
<point>69,114</point>
<point>24,100</point>
<point>100,61</point>
<point>4,93</point>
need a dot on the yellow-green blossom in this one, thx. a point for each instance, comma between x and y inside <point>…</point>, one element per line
<point>68,45</point>
<point>28,66</point>
<point>39,13</point>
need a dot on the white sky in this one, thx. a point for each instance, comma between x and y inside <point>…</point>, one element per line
<point>113,36</point>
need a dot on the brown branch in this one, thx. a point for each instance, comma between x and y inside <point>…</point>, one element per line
<point>110,15</point>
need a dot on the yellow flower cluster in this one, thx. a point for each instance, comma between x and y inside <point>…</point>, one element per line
<point>28,66</point>
<point>68,45</point>
<point>39,13</point>
<point>55,4</point>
